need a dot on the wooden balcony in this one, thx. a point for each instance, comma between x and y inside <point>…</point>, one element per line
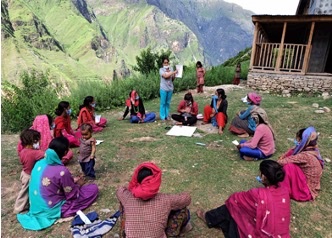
<point>292,57</point>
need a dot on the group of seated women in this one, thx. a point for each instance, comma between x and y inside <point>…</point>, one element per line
<point>258,212</point>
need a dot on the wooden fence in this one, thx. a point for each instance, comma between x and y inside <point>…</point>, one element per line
<point>266,56</point>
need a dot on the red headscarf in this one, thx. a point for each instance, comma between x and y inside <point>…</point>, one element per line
<point>132,99</point>
<point>149,187</point>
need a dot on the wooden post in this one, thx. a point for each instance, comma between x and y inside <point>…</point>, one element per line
<point>281,48</point>
<point>253,49</point>
<point>308,49</point>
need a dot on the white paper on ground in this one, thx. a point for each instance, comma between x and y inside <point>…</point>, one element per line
<point>180,70</point>
<point>99,141</point>
<point>97,118</point>
<point>235,142</point>
<point>181,131</point>
<point>244,99</point>
<point>83,217</point>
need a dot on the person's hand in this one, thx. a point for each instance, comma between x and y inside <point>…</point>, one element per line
<point>238,147</point>
<point>175,72</point>
<point>188,109</point>
<point>80,182</point>
<point>92,157</point>
<point>120,118</point>
<point>238,114</point>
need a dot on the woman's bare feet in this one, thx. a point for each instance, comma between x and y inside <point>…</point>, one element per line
<point>245,135</point>
<point>220,131</point>
<point>247,158</point>
<point>201,214</point>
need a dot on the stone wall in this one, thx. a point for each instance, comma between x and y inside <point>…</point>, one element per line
<point>288,83</point>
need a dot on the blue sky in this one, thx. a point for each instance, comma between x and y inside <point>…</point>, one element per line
<point>270,7</point>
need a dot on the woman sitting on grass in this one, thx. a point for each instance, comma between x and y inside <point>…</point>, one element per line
<point>188,110</point>
<point>259,212</point>
<point>134,105</point>
<point>261,146</point>
<point>303,166</point>
<point>147,213</point>
<point>216,112</point>
<point>53,192</point>
<point>87,115</point>
<point>63,124</point>
<point>243,124</point>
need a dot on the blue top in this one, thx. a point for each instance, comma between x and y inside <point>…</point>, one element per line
<point>166,84</point>
<point>247,116</point>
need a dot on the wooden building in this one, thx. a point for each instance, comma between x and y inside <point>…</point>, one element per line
<point>293,53</point>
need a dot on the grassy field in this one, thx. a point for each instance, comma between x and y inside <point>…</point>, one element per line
<point>209,173</point>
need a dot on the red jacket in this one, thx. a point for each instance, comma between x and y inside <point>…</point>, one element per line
<point>183,105</point>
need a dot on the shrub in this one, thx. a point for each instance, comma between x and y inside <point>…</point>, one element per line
<point>21,104</point>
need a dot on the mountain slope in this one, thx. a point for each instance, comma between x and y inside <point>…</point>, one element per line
<point>99,39</point>
<point>223,29</point>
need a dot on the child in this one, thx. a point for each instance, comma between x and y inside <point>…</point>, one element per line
<point>87,151</point>
<point>30,153</point>
<point>200,73</point>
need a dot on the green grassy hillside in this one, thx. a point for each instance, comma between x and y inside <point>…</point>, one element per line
<point>54,36</point>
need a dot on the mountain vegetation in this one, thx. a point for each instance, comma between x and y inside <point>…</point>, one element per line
<point>98,40</point>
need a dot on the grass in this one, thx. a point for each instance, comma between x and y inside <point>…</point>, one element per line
<point>209,173</point>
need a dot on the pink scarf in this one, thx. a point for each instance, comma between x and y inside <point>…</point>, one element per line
<point>41,125</point>
<point>149,187</point>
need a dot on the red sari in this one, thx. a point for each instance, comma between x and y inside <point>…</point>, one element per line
<point>63,128</point>
<point>261,212</point>
<point>87,116</point>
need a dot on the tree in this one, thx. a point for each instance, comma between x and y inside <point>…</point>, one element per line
<point>148,61</point>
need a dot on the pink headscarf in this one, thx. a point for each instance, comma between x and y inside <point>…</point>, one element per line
<point>255,98</point>
<point>149,187</point>
<point>41,125</point>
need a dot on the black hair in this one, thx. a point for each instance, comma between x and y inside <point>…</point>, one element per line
<point>62,106</point>
<point>50,119</point>
<point>60,145</point>
<point>189,97</point>
<point>143,173</point>
<point>86,102</point>
<point>300,132</point>
<point>86,126</point>
<point>273,171</point>
<point>165,58</point>
<point>29,137</point>
<point>260,120</point>
<point>221,93</point>
<point>199,64</point>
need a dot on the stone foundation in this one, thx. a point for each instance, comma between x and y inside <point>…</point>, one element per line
<point>289,83</point>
